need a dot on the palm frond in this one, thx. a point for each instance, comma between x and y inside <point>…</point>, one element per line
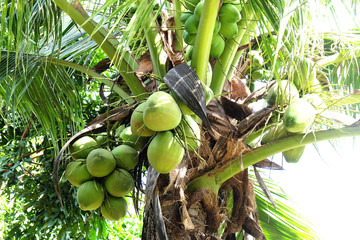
<point>284,222</point>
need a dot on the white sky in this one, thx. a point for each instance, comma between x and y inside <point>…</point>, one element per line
<point>326,189</point>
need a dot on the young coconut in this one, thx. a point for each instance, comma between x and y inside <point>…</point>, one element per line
<point>164,152</point>
<point>192,132</point>
<point>298,116</point>
<point>119,183</point>
<point>162,113</point>
<point>82,147</point>
<point>133,140</point>
<point>114,208</point>
<point>293,155</point>
<point>283,93</point>
<point>76,172</point>
<point>137,123</point>
<point>126,157</point>
<point>90,195</point>
<point>100,162</point>
<point>228,13</point>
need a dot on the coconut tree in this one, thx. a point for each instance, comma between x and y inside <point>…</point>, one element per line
<point>255,61</point>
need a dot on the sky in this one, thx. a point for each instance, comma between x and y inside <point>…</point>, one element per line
<point>324,186</point>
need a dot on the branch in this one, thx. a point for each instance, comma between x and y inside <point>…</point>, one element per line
<point>123,61</point>
<point>214,178</point>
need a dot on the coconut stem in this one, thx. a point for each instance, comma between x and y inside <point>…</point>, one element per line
<point>215,178</point>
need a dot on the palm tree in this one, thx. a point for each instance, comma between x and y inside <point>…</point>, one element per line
<point>45,44</point>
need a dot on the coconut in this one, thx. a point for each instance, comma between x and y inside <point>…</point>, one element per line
<point>184,16</point>
<point>137,123</point>
<point>217,46</point>
<point>191,24</point>
<point>126,157</point>
<point>132,139</point>
<point>229,30</point>
<point>119,183</point>
<point>82,147</point>
<point>189,38</point>
<point>90,195</point>
<point>298,116</point>
<point>315,100</point>
<point>100,162</point>
<point>286,93</point>
<point>191,4</point>
<point>162,112</point>
<point>229,13</point>
<point>164,152</point>
<point>294,155</point>
<point>76,172</point>
<point>198,10</point>
<point>192,132</point>
<point>114,208</point>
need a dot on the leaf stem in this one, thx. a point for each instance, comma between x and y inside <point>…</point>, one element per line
<point>214,178</point>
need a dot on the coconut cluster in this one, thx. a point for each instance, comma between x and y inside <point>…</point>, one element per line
<point>299,115</point>
<point>161,118</point>
<point>226,25</point>
<point>102,176</point>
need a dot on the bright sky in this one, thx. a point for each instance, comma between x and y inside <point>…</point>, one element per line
<point>326,189</point>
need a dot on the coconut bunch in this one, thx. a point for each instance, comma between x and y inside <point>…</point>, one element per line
<point>102,176</point>
<point>299,115</point>
<point>161,117</point>
<point>225,27</point>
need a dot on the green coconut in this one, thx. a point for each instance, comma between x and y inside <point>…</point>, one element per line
<point>298,116</point>
<point>229,13</point>
<point>100,162</point>
<point>189,38</point>
<point>283,93</point>
<point>164,152</point>
<point>189,52</point>
<point>90,195</point>
<point>132,139</point>
<point>198,10</point>
<point>191,24</point>
<point>217,46</point>
<point>114,208</point>
<point>294,155</point>
<point>191,131</point>
<point>229,30</point>
<point>191,4</point>
<point>137,123</point>
<point>119,183</point>
<point>76,172</point>
<point>315,100</point>
<point>82,147</point>
<point>162,112</point>
<point>256,60</point>
<point>126,157</point>
<point>275,133</point>
<point>184,16</point>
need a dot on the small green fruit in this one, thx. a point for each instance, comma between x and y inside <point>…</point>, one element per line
<point>162,112</point>
<point>100,162</point>
<point>275,133</point>
<point>298,116</point>
<point>293,155</point>
<point>114,208</point>
<point>198,10</point>
<point>126,157</point>
<point>189,38</point>
<point>315,100</point>
<point>137,122</point>
<point>90,195</point>
<point>191,24</point>
<point>164,152</point>
<point>229,13</point>
<point>119,183</point>
<point>82,147</point>
<point>229,30</point>
<point>133,140</point>
<point>191,4</point>
<point>217,46</point>
<point>185,16</point>
<point>283,93</point>
<point>76,172</point>
<point>192,132</point>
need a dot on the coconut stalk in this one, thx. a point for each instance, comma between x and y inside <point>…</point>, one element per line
<point>153,39</point>
<point>221,69</point>
<point>123,61</point>
<point>213,179</point>
<point>178,25</point>
<point>200,57</point>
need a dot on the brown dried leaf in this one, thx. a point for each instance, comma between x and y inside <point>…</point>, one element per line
<point>238,89</point>
<point>234,109</point>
